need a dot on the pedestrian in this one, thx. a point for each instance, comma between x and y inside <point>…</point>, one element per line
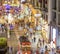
<point>43,41</point>
<point>34,39</point>
<point>10,50</point>
<point>52,51</point>
<point>42,52</point>
<point>46,47</point>
<point>46,52</point>
<point>2,26</point>
<point>38,44</point>
<point>37,52</point>
<point>19,52</point>
<point>34,52</point>
<point>40,41</point>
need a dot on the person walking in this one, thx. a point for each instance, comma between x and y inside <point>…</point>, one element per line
<point>40,41</point>
<point>10,50</point>
<point>46,52</point>
<point>37,51</point>
<point>52,51</point>
<point>42,50</point>
<point>34,39</point>
<point>43,41</point>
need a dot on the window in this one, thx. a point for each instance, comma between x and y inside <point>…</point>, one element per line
<point>33,2</point>
<point>58,5</point>
<point>43,3</point>
<point>54,4</point>
<point>37,3</point>
<point>46,1</point>
<point>58,19</point>
<point>54,17</point>
<point>40,1</point>
<point>46,5</point>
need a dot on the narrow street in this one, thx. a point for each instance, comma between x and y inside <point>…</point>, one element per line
<point>27,26</point>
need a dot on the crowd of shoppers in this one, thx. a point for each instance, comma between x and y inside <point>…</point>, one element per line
<point>3,28</point>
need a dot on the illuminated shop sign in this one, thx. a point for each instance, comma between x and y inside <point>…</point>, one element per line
<point>54,34</point>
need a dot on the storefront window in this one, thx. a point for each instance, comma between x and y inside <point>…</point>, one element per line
<point>54,34</point>
<point>54,4</point>
<point>43,3</point>
<point>40,1</point>
<point>37,4</point>
<point>58,37</point>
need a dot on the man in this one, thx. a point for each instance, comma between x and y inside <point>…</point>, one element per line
<point>34,39</point>
<point>10,50</point>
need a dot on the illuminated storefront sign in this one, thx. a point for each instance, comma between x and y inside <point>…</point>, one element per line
<point>37,15</point>
<point>10,18</point>
<point>54,34</point>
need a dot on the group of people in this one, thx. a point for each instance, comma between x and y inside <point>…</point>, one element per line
<point>3,28</point>
<point>45,48</point>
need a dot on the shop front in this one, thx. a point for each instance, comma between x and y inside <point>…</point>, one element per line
<point>58,38</point>
<point>53,34</point>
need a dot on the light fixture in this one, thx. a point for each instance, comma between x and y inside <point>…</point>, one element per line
<point>26,53</point>
<point>10,19</point>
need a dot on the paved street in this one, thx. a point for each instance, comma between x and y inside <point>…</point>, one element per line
<point>21,18</point>
<point>14,42</point>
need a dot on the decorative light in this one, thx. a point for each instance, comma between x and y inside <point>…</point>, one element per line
<point>10,18</point>
<point>8,2</point>
<point>5,3</point>
<point>54,34</point>
<point>25,53</point>
<point>22,1</point>
<point>37,15</point>
<point>41,18</point>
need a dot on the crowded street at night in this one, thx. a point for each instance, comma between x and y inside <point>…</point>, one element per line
<point>26,27</point>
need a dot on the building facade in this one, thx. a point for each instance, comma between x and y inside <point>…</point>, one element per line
<point>51,13</point>
<point>53,20</point>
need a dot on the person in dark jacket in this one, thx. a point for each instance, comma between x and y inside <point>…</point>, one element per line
<point>34,39</point>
